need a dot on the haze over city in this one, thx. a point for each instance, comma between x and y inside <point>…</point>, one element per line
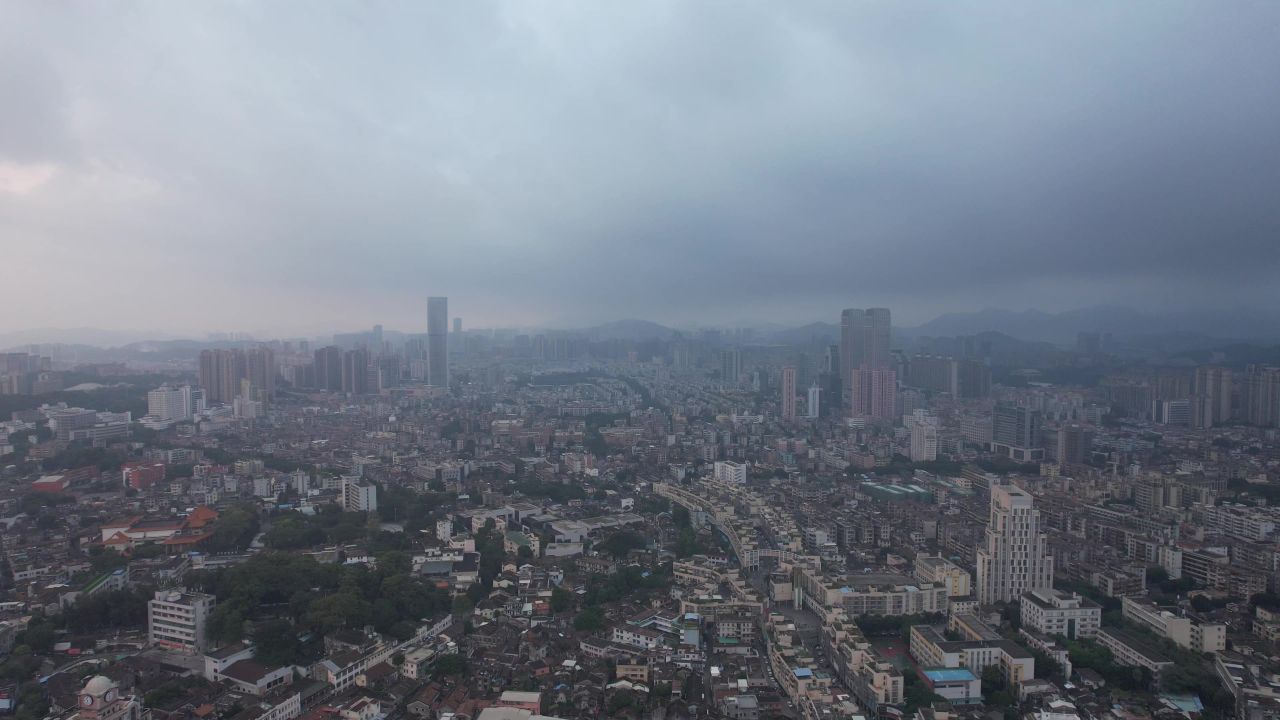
<point>292,169</point>
<point>576,360</point>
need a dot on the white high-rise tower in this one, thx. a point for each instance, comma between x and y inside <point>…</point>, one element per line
<point>1016,558</point>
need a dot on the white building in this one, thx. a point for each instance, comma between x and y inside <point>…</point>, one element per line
<point>730,472</point>
<point>1016,558</point>
<point>943,571</point>
<point>1183,631</point>
<point>176,620</point>
<point>924,436</point>
<point>1053,612</point>
<point>172,404</point>
<point>358,495</point>
<point>815,401</point>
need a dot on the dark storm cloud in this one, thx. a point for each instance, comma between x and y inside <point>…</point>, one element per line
<point>312,165</point>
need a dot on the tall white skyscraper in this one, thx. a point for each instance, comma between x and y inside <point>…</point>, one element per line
<point>815,401</point>
<point>1016,558</point>
<point>438,341</point>
<point>789,392</point>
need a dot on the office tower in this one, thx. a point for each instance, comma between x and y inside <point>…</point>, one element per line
<point>873,394</point>
<point>1075,443</point>
<point>328,368</point>
<point>1016,558</point>
<point>1015,432</point>
<point>438,341</point>
<point>789,393</point>
<point>814,407</point>
<point>924,436</point>
<point>457,325</point>
<point>1262,395</point>
<point>730,367</point>
<point>355,372</point>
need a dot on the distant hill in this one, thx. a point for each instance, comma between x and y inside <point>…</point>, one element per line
<point>1248,324</point>
<point>95,337</point>
<point>630,329</point>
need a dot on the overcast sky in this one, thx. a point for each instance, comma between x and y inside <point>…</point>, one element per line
<point>302,167</point>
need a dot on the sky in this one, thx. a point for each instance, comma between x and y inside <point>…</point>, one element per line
<point>301,167</point>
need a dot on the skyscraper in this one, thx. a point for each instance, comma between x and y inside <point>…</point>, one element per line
<point>864,345</point>
<point>1262,395</point>
<point>814,407</point>
<point>457,325</point>
<point>730,367</point>
<point>873,394</point>
<point>438,341</point>
<point>328,368</point>
<point>864,339</point>
<point>1211,397</point>
<point>1016,558</point>
<point>789,393</point>
<point>355,371</point>
<point>222,370</point>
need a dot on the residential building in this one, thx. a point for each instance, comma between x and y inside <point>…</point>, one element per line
<point>176,620</point>
<point>438,341</point>
<point>1016,558</point>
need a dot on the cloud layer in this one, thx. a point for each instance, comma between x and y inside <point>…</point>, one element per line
<point>305,166</point>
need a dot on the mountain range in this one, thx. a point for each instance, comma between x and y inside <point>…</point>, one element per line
<point>1169,332</point>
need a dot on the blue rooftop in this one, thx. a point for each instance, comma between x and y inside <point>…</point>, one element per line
<point>949,675</point>
<point>803,672</point>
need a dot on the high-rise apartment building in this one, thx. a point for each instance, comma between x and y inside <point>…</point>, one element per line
<point>789,393</point>
<point>1015,432</point>
<point>730,367</point>
<point>864,339</point>
<point>1262,395</point>
<point>1211,397</point>
<point>327,368</point>
<point>814,407</point>
<point>222,370</point>
<point>873,394</point>
<point>355,372</point>
<point>1016,557</point>
<point>438,341</point>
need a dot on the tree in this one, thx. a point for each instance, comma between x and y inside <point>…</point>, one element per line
<point>277,643</point>
<point>462,605</point>
<point>589,620</point>
<point>561,599</point>
<point>525,552</point>
<point>452,664</point>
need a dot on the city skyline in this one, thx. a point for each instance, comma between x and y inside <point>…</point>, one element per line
<point>586,164</point>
